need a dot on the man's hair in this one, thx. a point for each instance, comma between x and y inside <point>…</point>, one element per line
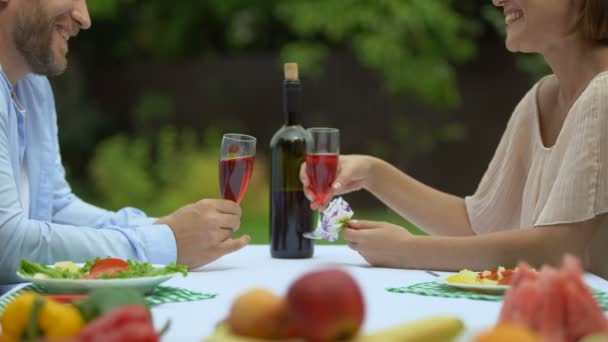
<point>593,21</point>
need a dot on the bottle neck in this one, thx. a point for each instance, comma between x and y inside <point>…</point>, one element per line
<point>292,102</point>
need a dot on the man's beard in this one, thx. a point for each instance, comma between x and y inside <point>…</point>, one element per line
<point>33,37</point>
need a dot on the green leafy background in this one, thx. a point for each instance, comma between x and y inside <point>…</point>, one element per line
<point>148,161</point>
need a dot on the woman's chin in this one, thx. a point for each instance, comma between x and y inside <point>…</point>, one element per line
<point>514,45</point>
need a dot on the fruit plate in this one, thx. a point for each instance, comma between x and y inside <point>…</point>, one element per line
<point>493,289</point>
<point>80,286</point>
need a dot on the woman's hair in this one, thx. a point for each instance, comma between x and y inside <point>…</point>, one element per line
<point>593,21</point>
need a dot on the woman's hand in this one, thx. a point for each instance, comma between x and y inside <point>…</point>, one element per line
<point>352,175</point>
<point>379,243</point>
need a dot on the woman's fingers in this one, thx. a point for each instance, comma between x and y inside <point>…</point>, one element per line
<point>363,224</point>
<point>352,236</point>
<point>303,176</point>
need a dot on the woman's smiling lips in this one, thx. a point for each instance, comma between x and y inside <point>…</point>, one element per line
<point>513,15</point>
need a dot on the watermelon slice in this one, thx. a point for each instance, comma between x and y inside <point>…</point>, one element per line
<point>557,304</point>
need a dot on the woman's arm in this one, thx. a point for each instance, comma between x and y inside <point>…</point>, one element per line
<point>383,244</point>
<point>433,211</point>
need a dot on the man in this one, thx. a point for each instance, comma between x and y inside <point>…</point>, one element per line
<point>40,219</point>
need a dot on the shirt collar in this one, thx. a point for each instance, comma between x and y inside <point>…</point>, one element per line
<point>14,98</point>
<point>3,76</point>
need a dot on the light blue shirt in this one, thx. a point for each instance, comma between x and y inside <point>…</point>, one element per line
<point>59,225</point>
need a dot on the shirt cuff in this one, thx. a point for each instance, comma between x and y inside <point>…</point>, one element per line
<point>160,244</point>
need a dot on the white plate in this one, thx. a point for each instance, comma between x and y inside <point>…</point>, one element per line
<point>492,289</point>
<point>78,286</point>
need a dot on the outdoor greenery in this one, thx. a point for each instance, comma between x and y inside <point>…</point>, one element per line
<point>412,45</point>
<point>386,35</point>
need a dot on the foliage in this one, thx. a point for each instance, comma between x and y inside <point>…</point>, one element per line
<point>412,44</point>
<point>162,168</point>
<point>125,172</point>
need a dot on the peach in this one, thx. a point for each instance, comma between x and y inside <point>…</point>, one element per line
<point>258,313</point>
<point>325,305</point>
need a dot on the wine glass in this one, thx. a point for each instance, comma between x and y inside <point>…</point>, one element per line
<point>237,157</point>
<point>322,162</point>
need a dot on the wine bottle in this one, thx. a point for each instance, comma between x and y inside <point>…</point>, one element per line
<point>290,213</point>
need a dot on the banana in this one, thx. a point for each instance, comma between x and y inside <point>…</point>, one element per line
<point>223,334</point>
<point>433,329</point>
<point>595,338</point>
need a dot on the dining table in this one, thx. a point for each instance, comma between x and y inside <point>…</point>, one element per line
<point>253,267</point>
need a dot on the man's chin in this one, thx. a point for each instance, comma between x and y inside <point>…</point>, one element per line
<point>56,68</point>
<point>50,72</point>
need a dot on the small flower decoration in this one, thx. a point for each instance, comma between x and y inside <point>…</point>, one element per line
<point>332,221</point>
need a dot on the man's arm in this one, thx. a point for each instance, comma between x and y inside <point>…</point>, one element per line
<point>70,209</point>
<point>46,242</point>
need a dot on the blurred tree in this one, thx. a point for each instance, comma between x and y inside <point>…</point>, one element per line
<point>412,44</point>
<point>180,172</point>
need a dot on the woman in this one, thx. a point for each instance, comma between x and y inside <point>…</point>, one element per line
<point>545,192</point>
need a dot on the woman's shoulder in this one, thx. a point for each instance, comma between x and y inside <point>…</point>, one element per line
<point>546,91</point>
<point>597,104</point>
<point>598,88</point>
<point>526,110</point>
<point>592,104</point>
<point>537,92</point>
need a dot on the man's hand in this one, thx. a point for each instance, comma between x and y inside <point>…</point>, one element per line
<point>379,243</point>
<point>203,231</point>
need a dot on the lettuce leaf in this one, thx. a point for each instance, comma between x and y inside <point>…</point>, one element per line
<point>31,269</point>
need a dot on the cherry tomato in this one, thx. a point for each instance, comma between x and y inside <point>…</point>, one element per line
<point>108,266</point>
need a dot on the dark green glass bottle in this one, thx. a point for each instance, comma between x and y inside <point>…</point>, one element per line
<point>290,213</point>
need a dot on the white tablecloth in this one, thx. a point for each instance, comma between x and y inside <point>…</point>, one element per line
<point>253,267</point>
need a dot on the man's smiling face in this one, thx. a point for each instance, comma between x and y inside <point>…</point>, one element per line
<point>43,29</point>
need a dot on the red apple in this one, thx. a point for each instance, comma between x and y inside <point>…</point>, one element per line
<point>325,305</point>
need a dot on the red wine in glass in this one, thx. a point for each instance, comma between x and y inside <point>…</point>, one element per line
<point>321,172</point>
<point>322,165</point>
<point>237,157</point>
<point>234,177</point>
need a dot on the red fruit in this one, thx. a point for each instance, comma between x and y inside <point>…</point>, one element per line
<point>326,305</point>
<point>557,304</point>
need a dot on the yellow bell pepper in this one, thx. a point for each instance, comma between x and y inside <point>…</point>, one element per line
<point>59,320</point>
<point>16,316</point>
<point>55,320</point>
